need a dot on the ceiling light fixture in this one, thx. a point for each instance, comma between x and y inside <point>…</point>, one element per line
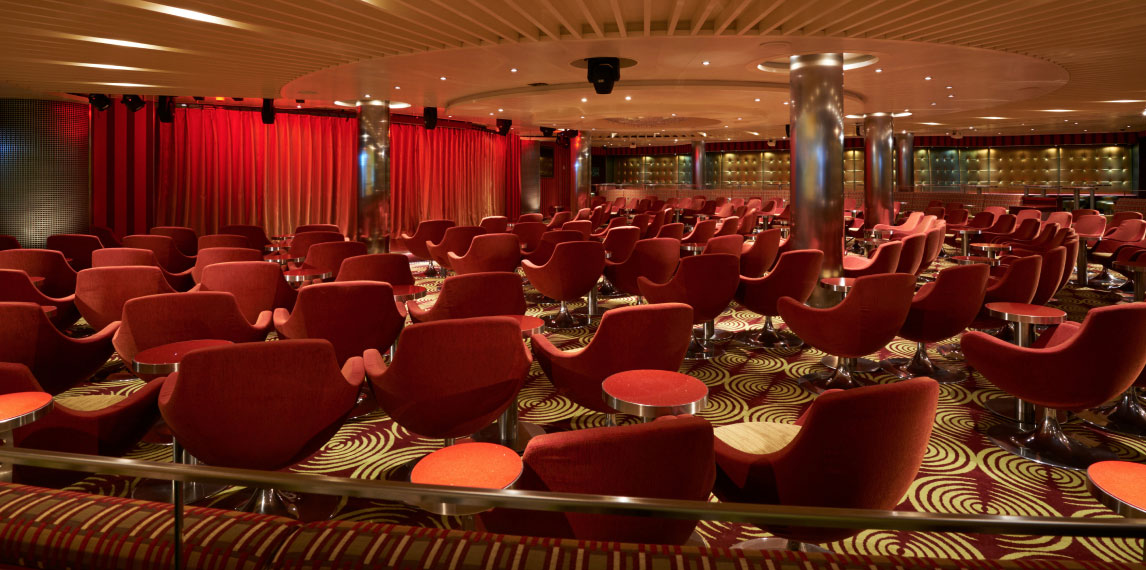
<point>115,42</point>
<point>878,70</point>
<point>513,70</point>
<point>584,99</point>
<point>628,98</point>
<point>184,13</point>
<point>114,84</point>
<point>931,124</point>
<point>927,78</point>
<point>1126,101</point>
<point>397,87</point>
<point>1058,110</point>
<point>993,118</point>
<point>704,63</point>
<point>950,95</point>
<point>443,78</point>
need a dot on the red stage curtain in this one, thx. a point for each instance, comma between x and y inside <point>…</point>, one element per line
<point>457,174</point>
<point>123,168</point>
<point>556,190</point>
<point>223,166</point>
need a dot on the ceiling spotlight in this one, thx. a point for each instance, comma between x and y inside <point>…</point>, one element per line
<point>628,97</point>
<point>704,63</point>
<point>674,114</point>
<point>950,95</point>
<point>133,102</point>
<point>928,78</point>
<point>367,95</point>
<point>513,70</point>
<point>950,87</point>
<point>757,99</point>
<point>785,102</point>
<point>99,101</point>
<point>443,78</point>
<point>933,103</point>
<point>397,87</point>
<point>500,110</point>
<point>878,70</point>
<point>584,99</point>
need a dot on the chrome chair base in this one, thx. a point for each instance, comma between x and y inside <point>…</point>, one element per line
<point>366,403</point>
<point>1047,444</point>
<point>864,365</point>
<point>538,299</point>
<point>432,271</point>
<point>839,378</point>
<point>921,365</point>
<point>1105,280</point>
<point>607,290</point>
<point>565,320</point>
<point>712,335</point>
<point>702,349</point>
<point>1126,416</point>
<point>272,502</point>
<point>777,543</point>
<point>952,352</point>
<point>770,338</point>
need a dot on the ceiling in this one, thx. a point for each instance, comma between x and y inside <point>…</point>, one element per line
<point>1018,67</point>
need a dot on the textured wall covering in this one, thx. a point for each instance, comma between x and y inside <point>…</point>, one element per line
<point>43,169</point>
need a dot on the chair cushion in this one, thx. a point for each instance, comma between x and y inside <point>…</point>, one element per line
<point>45,528</point>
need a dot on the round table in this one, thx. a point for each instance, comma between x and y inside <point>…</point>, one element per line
<point>409,292</point>
<point>967,234</point>
<point>19,409</point>
<point>164,359</point>
<point>692,248</point>
<point>993,250</point>
<point>273,247</point>
<point>649,394</point>
<point>474,465</point>
<point>283,259</point>
<point>1135,270</point>
<point>839,284</point>
<point>1025,316</point>
<point>296,277</point>
<point>1120,485</point>
<point>530,325</point>
<point>973,259</point>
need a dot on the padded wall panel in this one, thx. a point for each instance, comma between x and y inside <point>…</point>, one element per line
<point>43,169</point>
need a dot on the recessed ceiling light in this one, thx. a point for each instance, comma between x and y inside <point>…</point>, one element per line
<point>114,84</point>
<point>584,99</point>
<point>757,99</point>
<point>785,102</point>
<point>931,124</point>
<point>950,87</point>
<point>491,114</point>
<point>367,95</point>
<point>739,118</point>
<point>950,95</point>
<point>443,78</point>
<point>628,98</point>
<point>500,110</point>
<point>115,42</point>
<point>674,114</point>
<point>582,116</point>
<point>1126,101</point>
<point>878,70</point>
<point>397,87</point>
<point>103,66</point>
<point>298,106</point>
<point>704,63</point>
<point>993,118</point>
<point>185,13</point>
<point>1058,110</point>
<point>933,103</point>
<point>905,113</point>
<point>928,78</point>
<point>513,70</point>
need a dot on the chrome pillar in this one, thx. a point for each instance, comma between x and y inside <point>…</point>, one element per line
<point>817,136</point>
<point>530,176</point>
<point>373,226</point>
<point>582,172</point>
<point>878,168</point>
<point>698,164</point>
<point>905,162</point>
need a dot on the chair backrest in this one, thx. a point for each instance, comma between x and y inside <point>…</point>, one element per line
<point>1119,217</point>
<point>328,256</point>
<point>534,217</point>
<point>77,247</point>
<point>911,254</point>
<point>155,320</point>
<point>725,244</point>
<point>186,239</point>
<point>164,248</point>
<point>1025,230</point>
<point>479,295</point>
<point>27,338</point>
<point>113,256</point>
<point>886,258</point>
<point>620,241</point>
<point>758,258</point>
<point>1128,230</point>
<point>1003,224</point>
<point>317,228</point>
<point>796,275</point>
<point>353,315</point>
<point>995,210</point>
<point>59,277</point>
<point>559,218</point>
<point>1028,214</point>
<point>945,307</point>
<point>1063,219</point>
<point>1089,225</point>
<point>427,231</point>
<point>225,240</point>
<point>706,282</point>
<point>674,230</point>
<point>213,255</point>
<point>256,285</point>
<point>1079,212</point>
<point>392,268</point>
<point>488,252</point>
<point>982,220</point>
<point>658,222</point>
<point>494,224</point>
<point>300,245</point>
<point>529,234</point>
<point>105,235</point>
<point>728,226</point>
<point>101,292</point>
<point>583,226</point>
<point>701,232</point>
<point>1071,244</point>
<point>956,216</point>
<point>457,239</point>
<point>1018,282</point>
<point>584,214</point>
<point>1050,274</point>
<point>931,248</point>
<point>256,235</point>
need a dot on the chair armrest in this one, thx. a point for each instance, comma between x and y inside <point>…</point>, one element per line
<point>263,323</point>
<point>373,364</point>
<point>281,317</point>
<point>104,335</point>
<point>354,371</point>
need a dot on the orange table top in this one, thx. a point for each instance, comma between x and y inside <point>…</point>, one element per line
<point>19,404</point>
<point>481,465</point>
<point>659,388</point>
<point>1122,480</point>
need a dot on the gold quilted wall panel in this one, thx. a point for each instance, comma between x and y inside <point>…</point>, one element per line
<point>627,170</point>
<point>922,170</point>
<point>1096,166</point>
<point>853,169</point>
<point>1025,166</point>
<point>777,166</point>
<point>660,169</point>
<point>944,166</point>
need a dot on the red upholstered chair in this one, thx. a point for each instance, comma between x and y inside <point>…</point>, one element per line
<point>913,220</point>
<point>225,240</point>
<point>796,274</point>
<point>617,205</point>
<point>314,398</point>
<point>940,310</point>
<point>867,319</point>
<point>106,236</point>
<point>1089,227</point>
<point>185,238</point>
<point>911,255</point>
<point>156,320</point>
<point>701,233</point>
<point>529,218</point>
<point>559,220</point>
<point>353,315</point>
<point>1063,219</point>
<point>748,223</point>
<point>8,242</point>
<point>77,247</point>
<point>674,230</point>
<point>570,273</point>
<point>613,223</point>
<point>431,231</point>
<point>583,214</point>
<point>654,258</point>
<point>705,282</point>
<point>1028,214</point>
<point>885,260</point>
<point>213,255</point>
<point>600,215</point>
<point>392,268</point>
<point>956,217</point>
<point>724,210</point>
<point>300,244</point>
<point>59,362</point>
<point>1003,225</point>
<point>1070,367</point>
<point>317,228</point>
<point>549,241</point>
<point>1079,212</point>
<point>656,223</point>
<point>17,287</point>
<point>1103,253</point>
<point>256,235</point>
<point>1025,231</point>
<point>728,226</point>
<point>931,248</point>
<point>756,258</point>
<point>670,458</point>
<point>733,243</point>
<point>859,449</point>
<point>102,291</point>
<point>585,227</point>
<point>59,277</point>
<point>457,240</point>
<point>639,337</point>
<point>1017,284</point>
<point>329,256</point>
<point>170,258</point>
<point>996,210</point>
<point>620,241</point>
<point>257,286</point>
<point>451,378</point>
<point>494,224</point>
<point>473,295</point>
<point>490,252</point>
<point>1050,275</point>
<point>529,235</point>
<point>1119,217</point>
<point>129,256</point>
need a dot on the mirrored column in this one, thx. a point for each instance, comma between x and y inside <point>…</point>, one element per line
<point>374,176</point>
<point>879,168</point>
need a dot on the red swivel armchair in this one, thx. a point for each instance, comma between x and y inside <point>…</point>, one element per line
<point>156,320</point>
<point>911,255</point>
<point>643,222</point>
<point>701,233</point>
<point>258,286</point>
<point>620,241</point>
<point>8,242</point>
<point>17,287</point>
<point>705,282</point>
<point>1070,367</point>
<point>529,235</point>
<point>613,223</point>
<point>1017,284</point>
<point>655,259</point>
<point>569,274</point>
<point>549,241</point>
<point>885,260</point>
<point>939,311</point>
<point>328,257</point>
<point>494,224</point>
<point>859,449</point>
<point>170,258</point>
<point>212,255</point>
<point>106,236</point>
<point>77,247</point>
<point>670,458</point>
<point>225,240</point>
<point>305,228</point>
<point>867,319</point>
<point>796,274</point>
<point>559,220</point>
<point>674,230</point>
<point>1050,275</point>
<point>656,223</point>
<point>392,268</point>
<point>457,240</point>
<point>728,226</point>
<point>131,256</point>
<point>244,428</point>
<point>748,223</point>
<point>640,337</point>
<point>256,235</point>
<point>932,246</point>
<point>354,316</point>
<point>583,214</point>
<point>300,246</point>
<point>534,217</point>
<point>584,227</point>
<point>59,277</point>
<point>451,378</point>
<point>473,295</point>
<point>1105,252</point>
<point>431,231</point>
<point>490,252</point>
<point>756,258</point>
<point>732,244</point>
<point>1089,227</point>
<point>59,362</point>
<point>185,238</point>
<point>101,292</point>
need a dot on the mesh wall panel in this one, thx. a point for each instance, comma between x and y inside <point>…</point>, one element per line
<point>43,169</point>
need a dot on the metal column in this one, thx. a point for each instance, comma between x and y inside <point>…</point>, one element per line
<point>374,176</point>
<point>579,147</point>
<point>698,164</point>
<point>905,162</point>
<point>878,168</point>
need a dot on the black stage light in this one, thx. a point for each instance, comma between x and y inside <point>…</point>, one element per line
<point>603,73</point>
<point>546,131</point>
<point>237,99</point>
<point>787,131</point>
<point>503,126</point>
<point>165,109</point>
<point>133,102</point>
<point>429,117</point>
<point>100,101</point>
<point>268,111</point>
<point>199,99</point>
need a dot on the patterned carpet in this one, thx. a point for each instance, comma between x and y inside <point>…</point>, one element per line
<point>962,472</point>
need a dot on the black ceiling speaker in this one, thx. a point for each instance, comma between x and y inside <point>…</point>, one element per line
<point>787,131</point>
<point>133,102</point>
<point>165,109</point>
<point>546,131</point>
<point>570,133</point>
<point>858,134</point>
<point>268,111</point>
<point>199,99</point>
<point>603,73</point>
<point>503,126</point>
<point>100,101</point>
<point>430,117</point>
